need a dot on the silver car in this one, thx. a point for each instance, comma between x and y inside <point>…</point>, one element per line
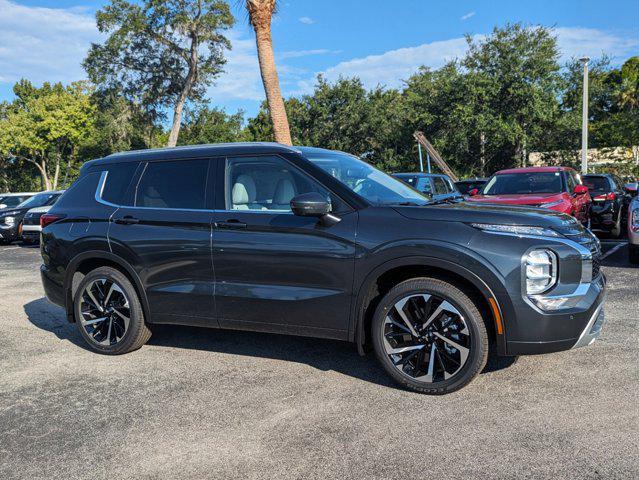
<point>633,225</point>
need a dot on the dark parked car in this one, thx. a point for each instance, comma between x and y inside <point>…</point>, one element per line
<point>8,200</point>
<point>465,186</point>
<point>11,218</point>
<point>314,242</point>
<point>609,208</point>
<point>433,185</point>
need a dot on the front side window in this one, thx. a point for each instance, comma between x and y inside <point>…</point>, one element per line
<point>180,185</point>
<point>524,183</point>
<point>266,184</point>
<point>440,186</point>
<point>373,185</point>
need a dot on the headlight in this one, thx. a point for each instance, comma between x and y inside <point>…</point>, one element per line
<point>541,271</point>
<point>517,230</point>
<point>9,220</point>
<point>635,220</point>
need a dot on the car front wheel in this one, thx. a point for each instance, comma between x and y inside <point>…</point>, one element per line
<point>430,336</point>
<point>108,312</point>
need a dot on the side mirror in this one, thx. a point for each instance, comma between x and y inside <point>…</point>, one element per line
<point>581,190</point>
<point>631,188</point>
<point>313,204</point>
<point>473,192</point>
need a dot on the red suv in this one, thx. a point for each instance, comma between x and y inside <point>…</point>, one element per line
<point>555,188</point>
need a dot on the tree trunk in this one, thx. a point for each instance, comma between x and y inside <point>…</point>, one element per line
<point>271,83</point>
<point>184,94</point>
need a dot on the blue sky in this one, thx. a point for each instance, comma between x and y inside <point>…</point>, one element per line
<point>382,42</point>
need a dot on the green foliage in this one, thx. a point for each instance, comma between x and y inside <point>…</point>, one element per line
<point>160,53</point>
<point>45,127</point>
<point>212,125</point>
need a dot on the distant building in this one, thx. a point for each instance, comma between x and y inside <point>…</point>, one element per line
<point>620,158</point>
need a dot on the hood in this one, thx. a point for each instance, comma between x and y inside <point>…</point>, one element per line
<point>468,212</point>
<point>13,211</point>
<point>518,199</point>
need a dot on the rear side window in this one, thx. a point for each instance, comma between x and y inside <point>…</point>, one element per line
<point>118,178</point>
<point>180,185</point>
<point>597,184</point>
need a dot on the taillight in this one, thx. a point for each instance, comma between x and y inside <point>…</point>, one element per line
<point>607,196</point>
<point>48,219</point>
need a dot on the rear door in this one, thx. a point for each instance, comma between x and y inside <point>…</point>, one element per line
<point>165,233</point>
<point>276,271</point>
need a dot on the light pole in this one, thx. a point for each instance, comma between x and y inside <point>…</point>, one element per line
<point>584,120</point>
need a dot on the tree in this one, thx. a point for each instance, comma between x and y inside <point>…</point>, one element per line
<point>45,126</point>
<point>162,53</point>
<point>260,15</point>
<point>212,125</point>
<point>519,70</point>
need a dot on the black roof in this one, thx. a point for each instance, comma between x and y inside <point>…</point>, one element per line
<point>419,174</point>
<point>213,149</point>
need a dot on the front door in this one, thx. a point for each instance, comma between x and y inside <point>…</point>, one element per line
<point>166,235</point>
<point>276,271</point>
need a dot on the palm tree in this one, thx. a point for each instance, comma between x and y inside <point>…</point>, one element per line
<point>260,15</point>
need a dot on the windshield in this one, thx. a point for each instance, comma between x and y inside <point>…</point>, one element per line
<point>524,183</point>
<point>40,200</point>
<point>597,184</point>
<point>372,184</point>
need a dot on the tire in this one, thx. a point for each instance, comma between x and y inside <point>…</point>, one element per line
<point>122,303</point>
<point>427,369</point>
<point>633,253</point>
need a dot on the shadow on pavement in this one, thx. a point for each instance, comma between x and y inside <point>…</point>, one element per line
<point>319,353</point>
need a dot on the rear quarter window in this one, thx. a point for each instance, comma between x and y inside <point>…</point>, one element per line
<point>119,177</point>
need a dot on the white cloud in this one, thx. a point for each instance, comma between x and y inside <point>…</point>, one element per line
<point>467,16</point>
<point>390,68</point>
<point>241,79</point>
<point>44,44</point>
<point>575,42</point>
<point>307,20</point>
<point>306,53</point>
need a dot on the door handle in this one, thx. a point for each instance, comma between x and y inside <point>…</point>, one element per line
<point>127,220</point>
<point>231,225</point>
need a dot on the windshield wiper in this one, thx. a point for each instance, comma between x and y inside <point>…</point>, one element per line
<point>445,200</point>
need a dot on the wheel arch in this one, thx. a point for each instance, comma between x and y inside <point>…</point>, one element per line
<point>83,263</point>
<point>381,279</point>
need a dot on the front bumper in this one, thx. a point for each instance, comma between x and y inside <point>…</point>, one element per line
<point>538,332</point>
<point>8,233</point>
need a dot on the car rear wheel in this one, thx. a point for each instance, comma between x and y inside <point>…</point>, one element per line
<point>108,312</point>
<point>429,336</point>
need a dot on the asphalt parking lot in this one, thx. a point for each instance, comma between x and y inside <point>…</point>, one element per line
<point>198,403</point>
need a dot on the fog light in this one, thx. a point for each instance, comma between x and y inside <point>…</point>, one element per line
<point>9,220</point>
<point>541,271</point>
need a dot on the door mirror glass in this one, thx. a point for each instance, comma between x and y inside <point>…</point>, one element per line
<point>310,204</point>
<point>581,189</point>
